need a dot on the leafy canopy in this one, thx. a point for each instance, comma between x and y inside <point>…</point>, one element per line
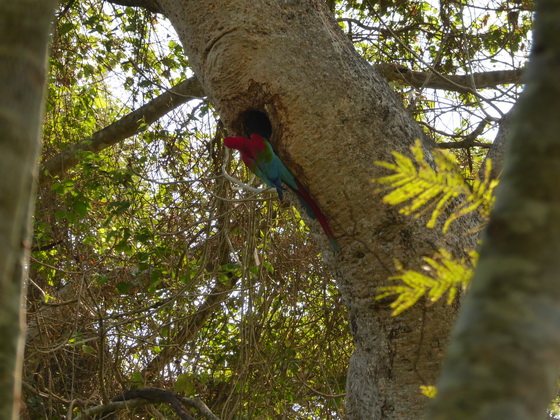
<point>149,269</point>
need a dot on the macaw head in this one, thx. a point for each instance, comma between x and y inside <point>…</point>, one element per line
<point>248,148</point>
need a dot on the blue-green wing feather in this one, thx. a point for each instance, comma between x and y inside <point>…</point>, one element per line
<point>272,171</point>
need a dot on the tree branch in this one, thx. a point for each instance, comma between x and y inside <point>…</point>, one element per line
<point>470,139</point>
<point>143,396</point>
<point>156,395</point>
<point>112,406</point>
<point>119,130</point>
<point>200,406</point>
<point>497,150</point>
<point>457,83</point>
<point>151,5</point>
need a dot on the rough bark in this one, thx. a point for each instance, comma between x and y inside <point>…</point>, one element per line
<point>498,148</point>
<point>332,117</point>
<point>24,31</point>
<point>504,358</point>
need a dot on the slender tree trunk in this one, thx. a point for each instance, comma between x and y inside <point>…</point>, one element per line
<point>333,116</point>
<point>498,149</point>
<point>24,31</point>
<point>505,354</point>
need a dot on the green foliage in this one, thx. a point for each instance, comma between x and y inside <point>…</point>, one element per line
<point>554,408</point>
<point>441,274</point>
<point>437,186</point>
<point>184,384</point>
<point>132,244</point>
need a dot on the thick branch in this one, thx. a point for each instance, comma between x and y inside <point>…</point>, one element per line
<point>458,83</point>
<point>200,406</point>
<point>119,130</point>
<point>505,351</point>
<point>151,5</point>
<point>144,396</point>
<point>497,150</point>
<point>156,395</point>
<point>112,406</point>
<point>24,34</point>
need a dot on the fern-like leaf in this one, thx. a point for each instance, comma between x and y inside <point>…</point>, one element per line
<point>424,187</point>
<point>442,274</point>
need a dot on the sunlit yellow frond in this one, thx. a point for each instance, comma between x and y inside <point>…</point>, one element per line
<point>438,187</point>
<point>441,274</point>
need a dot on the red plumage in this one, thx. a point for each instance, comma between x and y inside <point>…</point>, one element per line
<point>314,211</point>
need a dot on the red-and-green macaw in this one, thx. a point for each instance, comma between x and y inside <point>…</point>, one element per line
<point>257,153</point>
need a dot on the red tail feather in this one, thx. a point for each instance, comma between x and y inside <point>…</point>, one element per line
<point>312,205</point>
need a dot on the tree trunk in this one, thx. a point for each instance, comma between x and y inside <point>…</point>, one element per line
<point>498,149</point>
<point>24,31</point>
<point>504,358</point>
<point>333,116</point>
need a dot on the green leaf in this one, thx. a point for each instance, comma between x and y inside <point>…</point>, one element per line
<point>123,246</point>
<point>421,186</point>
<point>268,266</point>
<point>184,384</point>
<point>65,28</point>
<point>101,279</point>
<point>429,391</point>
<point>63,187</point>
<point>119,207</point>
<point>442,274</point>
<point>123,287</point>
<point>88,349</point>
<point>137,379</point>
<point>81,208</point>
<point>60,214</point>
